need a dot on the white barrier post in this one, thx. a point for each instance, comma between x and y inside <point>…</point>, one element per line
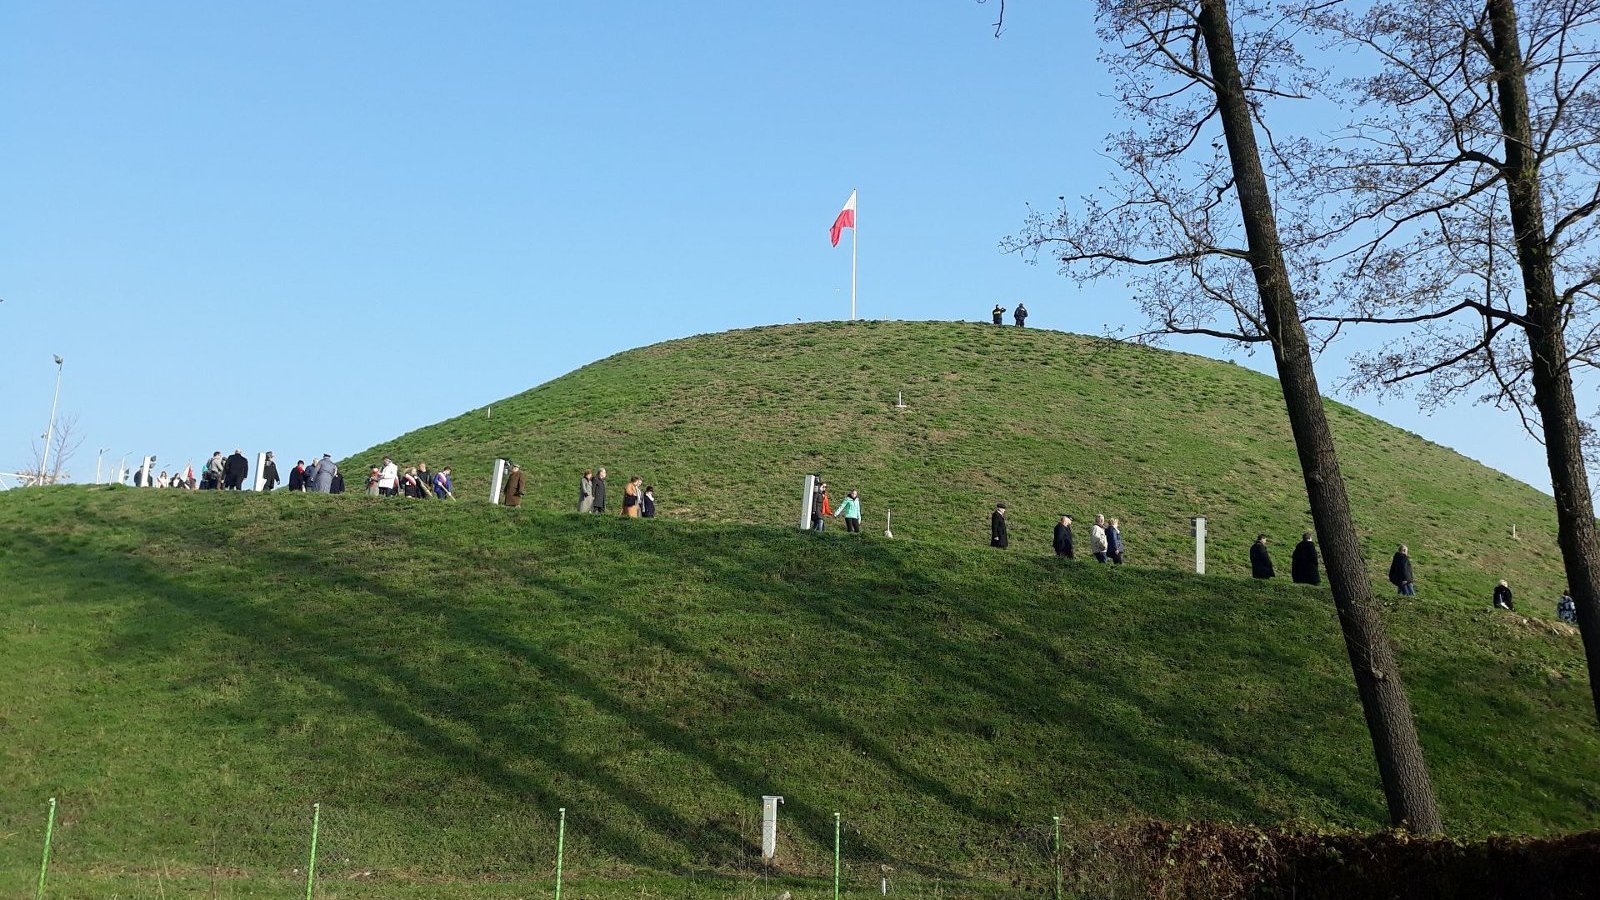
<point>807,494</point>
<point>261,477</point>
<point>144,472</point>
<point>1198,526</point>
<point>497,482</point>
<point>769,827</point>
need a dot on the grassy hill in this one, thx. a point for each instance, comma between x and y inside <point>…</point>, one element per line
<point>189,672</point>
<point>726,425</point>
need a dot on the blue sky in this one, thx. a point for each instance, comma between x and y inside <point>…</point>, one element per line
<point>310,227</point>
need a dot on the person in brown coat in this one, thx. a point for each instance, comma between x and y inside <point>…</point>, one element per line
<point>513,492</point>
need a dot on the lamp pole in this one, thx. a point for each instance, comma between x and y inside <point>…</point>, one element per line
<point>50,432</point>
<point>99,456</point>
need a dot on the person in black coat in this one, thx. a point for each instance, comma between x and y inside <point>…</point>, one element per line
<point>1260,560</point>
<point>1303,565</point>
<point>647,502</point>
<point>1502,596</point>
<point>234,471</point>
<point>1400,572</point>
<point>297,476</point>
<point>997,528</point>
<point>1020,315</point>
<point>1063,541</point>
<point>600,491</point>
<point>999,314</point>
<point>269,474</point>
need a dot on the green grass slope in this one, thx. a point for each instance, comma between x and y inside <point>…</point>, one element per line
<point>189,672</point>
<point>725,426</point>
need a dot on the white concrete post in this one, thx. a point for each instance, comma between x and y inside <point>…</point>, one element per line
<point>495,486</point>
<point>261,472</point>
<point>144,472</point>
<point>807,493</point>
<point>1198,526</point>
<point>769,827</point>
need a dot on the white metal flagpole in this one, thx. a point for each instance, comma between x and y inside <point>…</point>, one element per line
<point>853,231</point>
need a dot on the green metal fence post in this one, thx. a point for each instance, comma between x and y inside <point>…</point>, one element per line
<point>835,856</point>
<point>49,832</point>
<point>311,865</point>
<point>561,849</point>
<point>1058,856</point>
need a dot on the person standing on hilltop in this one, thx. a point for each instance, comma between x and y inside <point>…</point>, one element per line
<point>647,502</point>
<point>1020,316</point>
<point>997,528</point>
<point>1502,596</point>
<point>850,510</point>
<point>1114,541</point>
<point>1063,537</point>
<point>235,470</point>
<point>1400,572</point>
<point>586,492</point>
<point>1260,559</point>
<point>211,479</point>
<point>999,314</point>
<point>269,473</point>
<point>1097,538</point>
<point>514,485</point>
<point>297,476</point>
<point>1303,564</point>
<point>599,484</point>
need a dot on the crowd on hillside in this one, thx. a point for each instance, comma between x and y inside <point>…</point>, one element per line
<point>321,476</point>
<point>638,498</point>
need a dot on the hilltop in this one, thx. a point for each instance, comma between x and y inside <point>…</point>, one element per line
<point>189,672</point>
<point>725,426</point>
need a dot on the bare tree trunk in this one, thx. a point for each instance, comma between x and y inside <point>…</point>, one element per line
<point>1547,341</point>
<point>1404,772</point>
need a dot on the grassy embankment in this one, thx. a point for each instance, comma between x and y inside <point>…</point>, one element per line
<point>188,673</point>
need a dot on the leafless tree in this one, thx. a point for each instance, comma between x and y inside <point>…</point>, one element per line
<point>64,443</point>
<point>1191,220</point>
<point>1467,190</point>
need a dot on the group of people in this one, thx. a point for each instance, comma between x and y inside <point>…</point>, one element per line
<point>1566,607</point>
<point>416,481</point>
<point>1019,315</point>
<point>822,509</point>
<point>1304,565</point>
<point>1105,536</point>
<point>638,498</point>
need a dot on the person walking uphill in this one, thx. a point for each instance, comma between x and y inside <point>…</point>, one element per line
<point>1063,538</point>
<point>1260,560</point>
<point>850,510</point>
<point>1303,565</point>
<point>630,497</point>
<point>514,484</point>
<point>235,470</point>
<point>586,492</point>
<point>599,485</point>
<point>1400,572</point>
<point>821,509</point>
<point>997,528</point>
<point>1114,541</point>
<point>1097,538</point>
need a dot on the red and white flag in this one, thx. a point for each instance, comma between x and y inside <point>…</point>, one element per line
<point>846,219</point>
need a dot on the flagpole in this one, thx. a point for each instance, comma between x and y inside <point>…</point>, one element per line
<point>853,230</point>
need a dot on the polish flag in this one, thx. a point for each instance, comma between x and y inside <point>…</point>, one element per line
<point>847,219</point>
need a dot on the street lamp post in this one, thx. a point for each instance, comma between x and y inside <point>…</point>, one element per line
<point>50,432</point>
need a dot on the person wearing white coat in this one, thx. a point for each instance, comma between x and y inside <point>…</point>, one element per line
<point>388,477</point>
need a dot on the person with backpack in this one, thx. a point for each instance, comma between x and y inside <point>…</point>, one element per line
<point>1020,316</point>
<point>1567,608</point>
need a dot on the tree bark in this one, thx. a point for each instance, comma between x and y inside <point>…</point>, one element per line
<point>1547,340</point>
<point>1404,772</point>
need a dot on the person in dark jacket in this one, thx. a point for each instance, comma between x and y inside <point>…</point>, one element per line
<point>1303,565</point>
<point>997,527</point>
<point>1114,541</point>
<point>1260,560</point>
<point>337,486</point>
<point>297,476</point>
<point>599,505</point>
<point>1020,315</point>
<point>647,502</point>
<point>269,473</point>
<point>1502,596</point>
<point>1063,541</point>
<point>1400,573</point>
<point>514,484</point>
<point>999,314</point>
<point>234,471</point>
<point>820,508</point>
